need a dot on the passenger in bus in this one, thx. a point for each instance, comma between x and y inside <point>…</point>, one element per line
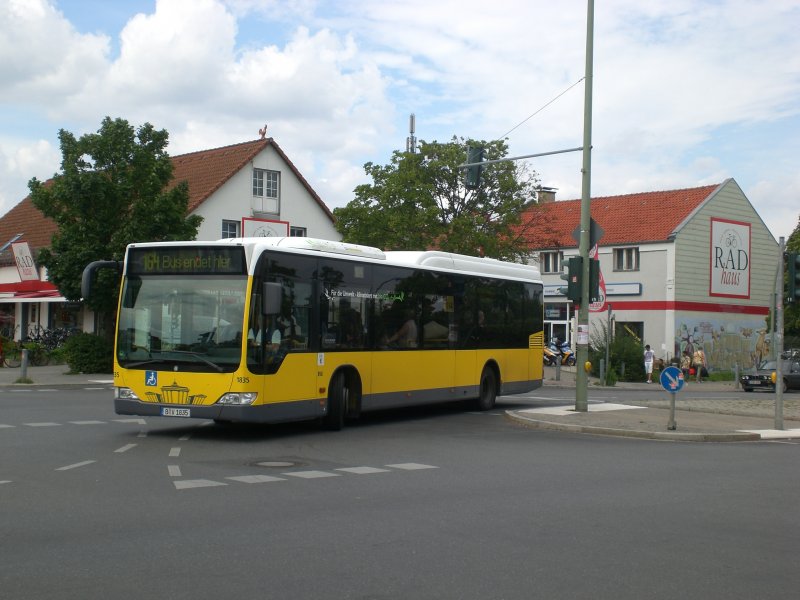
<point>406,336</point>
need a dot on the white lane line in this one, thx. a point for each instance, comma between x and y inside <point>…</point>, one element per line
<point>184,438</point>
<point>174,470</point>
<point>174,452</point>
<point>125,448</point>
<point>255,478</point>
<point>4,426</point>
<point>142,434</point>
<point>5,481</point>
<point>101,381</point>
<point>411,466</point>
<point>186,484</point>
<point>311,474</point>
<point>88,422</point>
<point>42,424</point>
<point>94,388</point>
<point>139,421</point>
<point>363,470</point>
<point>76,465</point>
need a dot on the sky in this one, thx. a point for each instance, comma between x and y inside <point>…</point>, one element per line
<point>684,92</point>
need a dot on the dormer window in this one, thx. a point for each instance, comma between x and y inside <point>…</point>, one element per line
<point>266,191</point>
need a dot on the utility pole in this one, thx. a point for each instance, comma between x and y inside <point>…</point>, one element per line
<point>582,342</point>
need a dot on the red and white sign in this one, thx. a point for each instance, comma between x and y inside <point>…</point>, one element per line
<point>730,259</point>
<point>252,227</point>
<point>25,265</point>
<point>600,305</point>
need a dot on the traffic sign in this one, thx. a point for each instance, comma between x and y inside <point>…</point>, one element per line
<point>672,379</point>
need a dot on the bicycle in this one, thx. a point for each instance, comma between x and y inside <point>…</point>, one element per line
<point>10,354</point>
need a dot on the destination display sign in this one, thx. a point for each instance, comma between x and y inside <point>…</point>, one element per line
<point>188,260</point>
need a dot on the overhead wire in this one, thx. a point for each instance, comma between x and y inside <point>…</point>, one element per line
<point>540,109</point>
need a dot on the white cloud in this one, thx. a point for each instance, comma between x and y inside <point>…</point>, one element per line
<point>336,82</point>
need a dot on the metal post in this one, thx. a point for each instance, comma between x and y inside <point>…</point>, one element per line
<point>672,426</point>
<point>582,341</point>
<point>23,367</point>
<point>779,349</point>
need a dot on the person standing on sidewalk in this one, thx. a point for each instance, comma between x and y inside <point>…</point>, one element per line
<point>649,358</point>
<point>699,362</point>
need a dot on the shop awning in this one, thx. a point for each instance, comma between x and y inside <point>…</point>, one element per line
<point>29,291</point>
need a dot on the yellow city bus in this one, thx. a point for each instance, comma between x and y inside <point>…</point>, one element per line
<point>273,330</point>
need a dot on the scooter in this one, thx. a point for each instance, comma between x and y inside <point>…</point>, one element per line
<point>562,351</point>
<point>551,357</point>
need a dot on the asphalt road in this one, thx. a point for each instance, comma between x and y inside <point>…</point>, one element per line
<point>428,503</point>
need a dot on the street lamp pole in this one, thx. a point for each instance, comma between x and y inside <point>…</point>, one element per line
<point>582,342</point>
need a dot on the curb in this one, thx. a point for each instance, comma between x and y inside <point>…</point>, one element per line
<point>632,433</point>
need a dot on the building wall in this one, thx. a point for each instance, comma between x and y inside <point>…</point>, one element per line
<point>234,200</point>
<point>731,331</point>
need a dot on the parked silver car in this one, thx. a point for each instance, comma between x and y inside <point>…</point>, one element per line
<point>761,378</point>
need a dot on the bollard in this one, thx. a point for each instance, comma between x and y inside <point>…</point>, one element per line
<point>736,376</point>
<point>603,370</point>
<point>558,368</point>
<point>23,366</point>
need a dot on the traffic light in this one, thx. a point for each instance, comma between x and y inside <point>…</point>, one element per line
<point>793,269</point>
<point>472,178</point>
<point>594,280</point>
<point>573,279</point>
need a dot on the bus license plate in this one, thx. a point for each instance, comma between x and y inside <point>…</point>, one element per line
<point>175,412</point>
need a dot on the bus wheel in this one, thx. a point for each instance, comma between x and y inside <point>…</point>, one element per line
<point>337,403</point>
<point>488,389</point>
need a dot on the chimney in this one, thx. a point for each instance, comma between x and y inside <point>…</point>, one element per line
<point>546,194</point>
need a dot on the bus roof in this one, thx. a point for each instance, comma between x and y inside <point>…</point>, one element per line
<point>431,259</point>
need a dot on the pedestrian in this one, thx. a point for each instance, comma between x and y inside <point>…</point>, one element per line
<point>686,364</point>
<point>649,358</point>
<point>699,363</point>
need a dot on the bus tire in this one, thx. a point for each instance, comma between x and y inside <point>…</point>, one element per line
<point>487,389</point>
<point>338,393</point>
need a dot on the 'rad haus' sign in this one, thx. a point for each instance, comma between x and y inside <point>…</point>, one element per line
<point>730,259</point>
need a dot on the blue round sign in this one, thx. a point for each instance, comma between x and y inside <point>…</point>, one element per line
<point>672,379</point>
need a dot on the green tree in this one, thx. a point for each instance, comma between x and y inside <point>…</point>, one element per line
<point>791,315</point>
<point>419,201</point>
<point>111,191</point>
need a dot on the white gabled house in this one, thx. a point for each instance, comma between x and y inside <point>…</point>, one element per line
<point>247,189</point>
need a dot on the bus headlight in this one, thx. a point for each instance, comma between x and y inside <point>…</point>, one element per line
<point>238,398</point>
<point>124,393</point>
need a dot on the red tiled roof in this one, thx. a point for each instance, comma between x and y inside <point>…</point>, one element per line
<point>625,219</point>
<point>205,170</point>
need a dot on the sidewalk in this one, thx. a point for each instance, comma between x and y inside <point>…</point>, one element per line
<point>738,416</point>
<point>51,375</point>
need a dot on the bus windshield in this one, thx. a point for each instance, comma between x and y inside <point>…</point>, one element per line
<point>181,322</point>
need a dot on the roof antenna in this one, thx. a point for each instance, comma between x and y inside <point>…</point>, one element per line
<point>263,131</point>
<point>411,140</point>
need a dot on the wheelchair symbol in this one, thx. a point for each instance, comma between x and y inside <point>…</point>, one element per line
<point>151,378</point>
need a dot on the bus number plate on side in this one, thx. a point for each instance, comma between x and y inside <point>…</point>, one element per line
<point>175,412</point>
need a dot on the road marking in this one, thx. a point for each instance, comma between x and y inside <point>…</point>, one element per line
<point>42,424</point>
<point>3,426</point>
<point>184,438</point>
<point>174,470</point>
<point>570,410</point>
<point>5,481</point>
<point>139,421</point>
<point>411,466</point>
<point>186,484</point>
<point>141,434</point>
<point>76,465</point>
<point>774,434</point>
<point>311,474</point>
<point>125,448</point>
<point>255,478</point>
<point>174,452</point>
<point>363,470</point>
<point>88,422</point>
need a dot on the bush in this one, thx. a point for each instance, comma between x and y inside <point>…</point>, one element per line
<point>89,353</point>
